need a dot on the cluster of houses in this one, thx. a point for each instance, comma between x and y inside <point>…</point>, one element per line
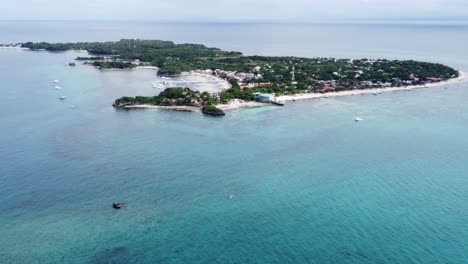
<point>239,76</point>
<point>332,85</point>
<point>252,85</point>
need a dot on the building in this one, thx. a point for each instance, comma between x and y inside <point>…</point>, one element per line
<point>433,79</point>
<point>249,75</point>
<point>265,98</point>
<point>265,84</point>
<point>326,89</point>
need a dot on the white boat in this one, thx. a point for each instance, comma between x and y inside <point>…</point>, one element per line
<point>157,85</point>
<point>358,119</point>
<point>62,97</point>
<point>57,87</point>
<point>56,81</point>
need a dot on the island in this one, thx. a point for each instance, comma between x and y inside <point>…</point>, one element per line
<point>267,79</point>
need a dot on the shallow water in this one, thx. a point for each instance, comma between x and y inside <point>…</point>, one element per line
<point>309,184</point>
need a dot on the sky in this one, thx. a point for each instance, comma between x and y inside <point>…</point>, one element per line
<point>238,10</point>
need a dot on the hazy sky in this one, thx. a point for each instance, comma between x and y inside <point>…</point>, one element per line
<point>238,10</point>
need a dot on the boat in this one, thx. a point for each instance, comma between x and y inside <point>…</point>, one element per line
<point>56,81</point>
<point>116,205</point>
<point>358,119</point>
<point>62,97</point>
<point>56,87</point>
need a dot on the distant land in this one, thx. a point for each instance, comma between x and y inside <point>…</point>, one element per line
<point>264,79</point>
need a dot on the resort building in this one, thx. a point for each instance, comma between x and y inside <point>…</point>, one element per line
<point>265,98</point>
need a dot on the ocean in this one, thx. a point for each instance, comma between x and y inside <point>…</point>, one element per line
<point>308,184</point>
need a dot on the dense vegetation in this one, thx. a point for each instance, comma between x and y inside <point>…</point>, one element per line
<point>93,58</point>
<point>176,96</point>
<point>169,57</point>
<point>212,110</point>
<point>113,65</point>
<point>280,75</point>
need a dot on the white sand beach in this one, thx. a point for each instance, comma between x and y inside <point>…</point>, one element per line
<point>249,104</point>
<point>286,98</point>
<point>240,105</point>
<point>146,68</point>
<point>176,108</point>
<point>197,109</point>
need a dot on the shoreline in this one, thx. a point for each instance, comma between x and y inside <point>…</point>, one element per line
<point>249,104</point>
<point>175,107</point>
<point>128,69</point>
<point>288,98</point>
<point>305,96</point>
<point>225,85</point>
<point>13,48</point>
<point>145,68</point>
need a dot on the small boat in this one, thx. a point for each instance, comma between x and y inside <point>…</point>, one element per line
<point>358,119</point>
<point>56,81</point>
<point>57,87</point>
<point>231,196</point>
<point>117,205</point>
<point>62,97</point>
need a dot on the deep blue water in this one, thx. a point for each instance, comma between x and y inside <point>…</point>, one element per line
<point>310,185</point>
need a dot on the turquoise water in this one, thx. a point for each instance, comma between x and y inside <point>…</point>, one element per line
<point>310,185</point>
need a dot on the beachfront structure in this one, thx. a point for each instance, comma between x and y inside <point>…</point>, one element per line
<point>433,79</point>
<point>326,89</point>
<point>265,98</point>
